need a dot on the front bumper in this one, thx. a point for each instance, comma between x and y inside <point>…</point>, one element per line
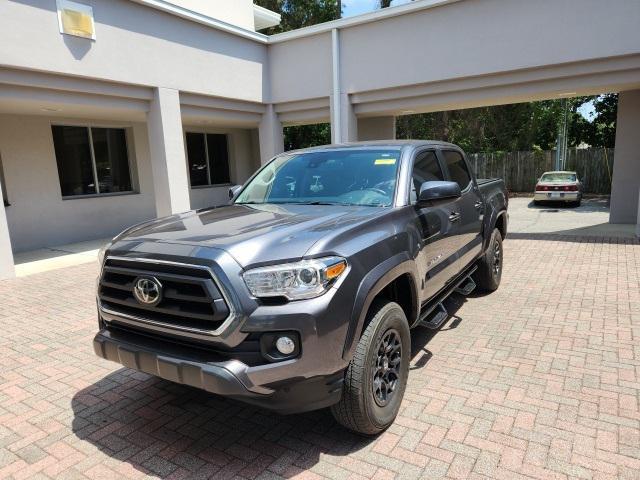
<point>229,378</point>
<point>556,196</point>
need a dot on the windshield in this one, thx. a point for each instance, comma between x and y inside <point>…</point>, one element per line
<point>343,177</point>
<point>558,177</point>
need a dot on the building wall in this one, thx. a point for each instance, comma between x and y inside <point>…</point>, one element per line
<point>235,12</point>
<point>38,216</point>
<point>134,44</point>
<point>300,69</point>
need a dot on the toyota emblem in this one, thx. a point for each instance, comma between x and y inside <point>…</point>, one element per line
<point>148,291</point>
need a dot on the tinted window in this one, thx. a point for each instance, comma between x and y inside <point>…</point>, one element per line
<point>208,158</point>
<point>425,169</point>
<point>112,162</point>
<point>349,177</point>
<point>73,156</point>
<point>457,168</point>
<point>197,155</point>
<point>218,159</point>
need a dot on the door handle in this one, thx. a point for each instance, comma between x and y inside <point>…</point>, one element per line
<point>454,217</point>
<point>478,205</point>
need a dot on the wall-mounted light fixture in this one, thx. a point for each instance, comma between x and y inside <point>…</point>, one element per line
<point>76,19</point>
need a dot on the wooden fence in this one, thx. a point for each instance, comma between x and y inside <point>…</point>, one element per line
<point>521,170</point>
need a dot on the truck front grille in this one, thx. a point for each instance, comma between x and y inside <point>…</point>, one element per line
<point>191,300</point>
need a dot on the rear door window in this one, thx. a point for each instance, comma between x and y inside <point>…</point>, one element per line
<point>457,167</point>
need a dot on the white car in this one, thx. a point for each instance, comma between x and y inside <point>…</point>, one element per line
<point>558,186</point>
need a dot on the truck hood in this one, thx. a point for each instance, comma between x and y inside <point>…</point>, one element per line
<point>255,233</point>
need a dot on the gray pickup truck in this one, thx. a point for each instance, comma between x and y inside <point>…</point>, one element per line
<point>302,292</point>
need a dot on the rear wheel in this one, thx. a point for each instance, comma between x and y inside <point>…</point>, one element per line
<point>489,272</point>
<point>376,378</point>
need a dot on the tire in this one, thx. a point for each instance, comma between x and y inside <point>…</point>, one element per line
<point>364,407</point>
<point>489,273</point>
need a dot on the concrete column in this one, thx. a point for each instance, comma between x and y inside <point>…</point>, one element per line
<point>377,128</point>
<point>166,145</point>
<point>6,253</point>
<point>625,188</point>
<point>270,135</point>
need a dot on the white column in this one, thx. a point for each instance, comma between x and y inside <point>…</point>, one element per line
<point>7,269</point>
<point>344,124</point>
<point>270,135</point>
<point>166,145</point>
<point>377,128</point>
<point>625,186</point>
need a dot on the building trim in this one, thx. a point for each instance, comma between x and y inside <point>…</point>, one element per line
<point>358,19</point>
<point>187,14</point>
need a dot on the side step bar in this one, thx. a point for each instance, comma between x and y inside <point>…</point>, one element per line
<point>466,287</point>
<point>433,317</point>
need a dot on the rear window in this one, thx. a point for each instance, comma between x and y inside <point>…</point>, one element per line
<point>558,177</point>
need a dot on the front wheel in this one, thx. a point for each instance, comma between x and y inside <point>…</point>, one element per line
<point>376,378</point>
<point>489,272</point>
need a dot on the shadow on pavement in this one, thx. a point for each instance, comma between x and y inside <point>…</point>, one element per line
<point>590,205</point>
<point>164,429</point>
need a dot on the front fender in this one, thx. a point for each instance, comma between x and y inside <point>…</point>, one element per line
<point>372,284</point>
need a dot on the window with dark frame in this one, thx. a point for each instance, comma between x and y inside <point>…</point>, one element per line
<point>208,159</point>
<point>457,168</point>
<point>91,160</point>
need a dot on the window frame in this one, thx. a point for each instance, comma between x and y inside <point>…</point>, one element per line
<point>208,160</point>
<point>443,162</point>
<point>89,126</point>
<point>416,154</point>
<point>3,186</point>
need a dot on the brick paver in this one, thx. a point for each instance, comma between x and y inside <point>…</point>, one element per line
<point>539,380</point>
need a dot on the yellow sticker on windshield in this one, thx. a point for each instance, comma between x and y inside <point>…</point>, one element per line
<point>385,161</point>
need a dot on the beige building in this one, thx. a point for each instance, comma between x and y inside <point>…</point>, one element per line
<point>117,111</point>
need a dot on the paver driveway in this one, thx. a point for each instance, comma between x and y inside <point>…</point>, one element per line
<point>538,380</point>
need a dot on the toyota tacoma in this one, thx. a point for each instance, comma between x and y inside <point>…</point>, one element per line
<point>301,293</point>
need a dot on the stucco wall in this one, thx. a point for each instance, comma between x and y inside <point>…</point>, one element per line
<point>301,68</point>
<point>134,44</point>
<point>38,216</point>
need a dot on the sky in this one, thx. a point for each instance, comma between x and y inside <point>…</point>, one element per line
<point>357,7</point>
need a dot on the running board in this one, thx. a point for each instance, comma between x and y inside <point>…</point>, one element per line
<point>466,287</point>
<point>435,318</point>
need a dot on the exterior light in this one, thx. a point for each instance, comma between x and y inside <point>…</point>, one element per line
<point>285,345</point>
<point>76,19</point>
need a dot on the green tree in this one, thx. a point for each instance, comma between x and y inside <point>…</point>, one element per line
<point>301,13</point>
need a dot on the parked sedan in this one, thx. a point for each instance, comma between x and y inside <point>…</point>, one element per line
<point>558,187</point>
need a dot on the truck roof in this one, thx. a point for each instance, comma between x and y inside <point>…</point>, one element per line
<point>392,144</point>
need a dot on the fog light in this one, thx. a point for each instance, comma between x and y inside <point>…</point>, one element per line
<point>285,345</point>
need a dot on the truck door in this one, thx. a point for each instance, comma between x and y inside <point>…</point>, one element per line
<point>437,252</point>
<point>466,213</point>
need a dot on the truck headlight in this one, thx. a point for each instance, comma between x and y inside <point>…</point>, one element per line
<point>295,281</point>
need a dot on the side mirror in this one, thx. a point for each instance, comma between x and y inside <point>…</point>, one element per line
<point>233,190</point>
<point>432,191</point>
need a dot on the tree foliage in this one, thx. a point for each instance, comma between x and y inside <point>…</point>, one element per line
<point>301,13</point>
<point>518,126</point>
